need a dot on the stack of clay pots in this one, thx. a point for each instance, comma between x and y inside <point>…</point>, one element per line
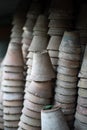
<point>39,93</point>
<point>39,42</point>
<point>34,11</point>
<point>66,84</point>
<point>81,25</point>
<point>12,86</point>
<point>1,100</point>
<point>81,110</point>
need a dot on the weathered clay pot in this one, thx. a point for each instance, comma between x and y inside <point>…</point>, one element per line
<point>66,78</point>
<point>82,101</point>
<point>16,34</point>
<point>68,63</point>
<point>69,117</point>
<point>13,76</point>
<point>33,106</point>
<point>53,53</point>
<point>38,43</point>
<point>26,40</point>
<point>30,55</point>
<point>12,83</point>
<point>39,33</point>
<point>56,31</point>
<point>67,71</point>
<point>12,103</point>
<point>81,110</point>
<point>13,69</point>
<point>82,83</point>
<point>13,96</point>
<point>11,124</point>
<point>30,121</point>
<point>36,99</point>
<point>16,28</point>
<point>65,99</point>
<point>67,56</point>
<point>68,111</point>
<point>12,89</point>
<point>54,61</point>
<point>44,72</point>
<point>11,117</point>
<point>11,110</point>
<point>41,89</point>
<point>41,23</point>
<point>14,55</point>
<point>65,91</point>
<point>66,84</point>
<point>65,106</point>
<point>16,40</point>
<point>79,125</point>
<point>81,117</point>
<point>29,62</point>
<point>26,126</point>
<point>29,71</point>
<point>30,113</point>
<point>82,92</point>
<point>53,119</point>
<point>54,43</point>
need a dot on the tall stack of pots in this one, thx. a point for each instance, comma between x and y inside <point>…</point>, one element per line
<point>39,42</point>
<point>34,11</point>
<point>68,67</point>
<point>81,25</point>
<point>12,86</point>
<point>39,93</point>
<point>81,110</point>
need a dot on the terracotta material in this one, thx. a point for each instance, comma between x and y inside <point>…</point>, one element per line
<point>36,99</point>
<point>41,23</point>
<point>66,84</point>
<point>53,119</point>
<point>13,76</point>
<point>11,117</point>
<point>65,99</point>
<point>29,62</point>
<point>12,89</point>
<point>68,63</point>
<point>65,106</point>
<point>82,101</point>
<point>30,55</point>
<point>13,103</point>
<point>11,124</point>
<point>30,121</point>
<point>16,40</point>
<point>65,91</point>
<point>13,69</point>
<point>13,96</point>
<point>81,117</point>
<point>14,55</point>
<point>67,71</point>
<point>56,31</point>
<point>13,83</point>
<point>53,53</point>
<point>30,113</point>
<point>66,78</point>
<point>81,110</point>
<point>38,43</point>
<point>33,106</point>
<point>12,110</point>
<point>79,125</point>
<point>54,61</point>
<point>82,92</point>
<point>44,90</point>
<point>27,127</point>
<point>39,33</point>
<point>83,72</point>
<point>16,34</point>
<point>68,111</point>
<point>82,83</point>
<point>44,72</point>
<point>67,56</point>
<point>54,43</point>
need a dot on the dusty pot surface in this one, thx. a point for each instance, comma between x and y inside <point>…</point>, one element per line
<point>52,119</point>
<point>42,69</point>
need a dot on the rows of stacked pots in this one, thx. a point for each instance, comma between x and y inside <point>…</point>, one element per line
<point>81,110</point>
<point>34,11</point>
<point>39,93</point>
<point>67,71</point>
<point>12,86</point>
<point>38,44</point>
<point>81,25</point>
